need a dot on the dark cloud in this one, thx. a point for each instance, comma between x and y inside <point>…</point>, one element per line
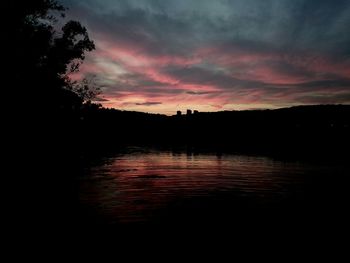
<point>178,26</point>
<point>210,77</point>
<point>315,85</point>
<point>198,92</point>
<point>99,99</point>
<point>148,103</point>
<point>324,98</point>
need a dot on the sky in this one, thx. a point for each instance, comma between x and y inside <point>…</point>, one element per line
<point>161,56</point>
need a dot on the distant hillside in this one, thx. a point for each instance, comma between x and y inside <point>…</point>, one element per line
<point>319,128</point>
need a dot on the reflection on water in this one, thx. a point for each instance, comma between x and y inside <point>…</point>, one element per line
<point>146,187</point>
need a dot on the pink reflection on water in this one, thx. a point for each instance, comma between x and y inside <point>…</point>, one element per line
<point>135,187</point>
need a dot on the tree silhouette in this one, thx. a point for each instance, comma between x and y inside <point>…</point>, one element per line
<point>86,89</point>
<point>44,55</point>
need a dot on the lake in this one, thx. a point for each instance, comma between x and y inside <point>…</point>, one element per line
<point>141,186</point>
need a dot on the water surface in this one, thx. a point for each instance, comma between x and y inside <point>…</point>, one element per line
<point>163,186</point>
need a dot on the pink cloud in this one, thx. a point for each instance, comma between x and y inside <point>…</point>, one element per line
<point>119,62</point>
<point>257,66</point>
<point>270,75</point>
<point>136,55</point>
<point>324,64</point>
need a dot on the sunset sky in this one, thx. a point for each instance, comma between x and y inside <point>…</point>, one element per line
<point>165,55</point>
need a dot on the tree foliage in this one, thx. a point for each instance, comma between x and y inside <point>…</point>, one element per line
<point>44,53</point>
<point>86,89</point>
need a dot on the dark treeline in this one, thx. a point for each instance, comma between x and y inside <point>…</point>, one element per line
<point>302,129</point>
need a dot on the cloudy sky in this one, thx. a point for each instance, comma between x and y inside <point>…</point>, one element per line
<point>166,55</point>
